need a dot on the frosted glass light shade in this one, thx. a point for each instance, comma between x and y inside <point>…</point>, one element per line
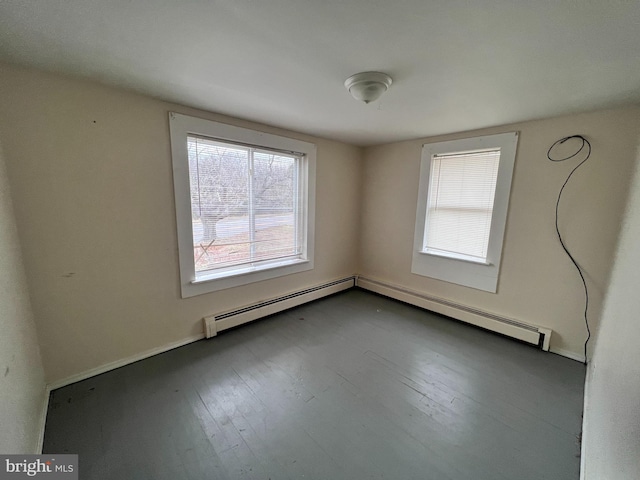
<point>368,86</point>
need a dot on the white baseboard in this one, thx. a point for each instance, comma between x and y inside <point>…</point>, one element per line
<point>121,363</point>
<point>567,353</point>
<point>532,334</point>
<point>134,358</point>
<point>97,371</point>
<point>155,351</point>
<point>586,412</point>
<point>225,320</point>
<point>43,419</point>
<point>368,284</point>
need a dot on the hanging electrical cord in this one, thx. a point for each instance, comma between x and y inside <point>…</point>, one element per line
<point>584,145</point>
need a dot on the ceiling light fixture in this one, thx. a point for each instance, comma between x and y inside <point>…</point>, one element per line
<point>368,86</point>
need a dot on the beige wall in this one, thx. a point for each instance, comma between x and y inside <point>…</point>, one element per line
<point>537,283</point>
<point>91,172</point>
<point>611,434</point>
<point>22,388</point>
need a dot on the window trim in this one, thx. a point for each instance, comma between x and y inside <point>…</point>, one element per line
<point>182,125</point>
<point>455,269</point>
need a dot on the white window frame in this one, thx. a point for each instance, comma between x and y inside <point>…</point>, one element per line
<point>183,125</point>
<point>459,270</point>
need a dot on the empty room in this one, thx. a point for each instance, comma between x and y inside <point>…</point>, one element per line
<point>319,240</point>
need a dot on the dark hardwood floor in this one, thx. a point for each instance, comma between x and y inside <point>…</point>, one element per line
<point>354,386</point>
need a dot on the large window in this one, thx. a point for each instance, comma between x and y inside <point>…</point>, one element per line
<point>462,209</point>
<point>244,203</point>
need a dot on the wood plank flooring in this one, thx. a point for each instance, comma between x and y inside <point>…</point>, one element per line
<point>354,386</point>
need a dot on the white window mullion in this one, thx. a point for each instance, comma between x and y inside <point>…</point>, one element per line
<point>298,208</point>
<point>252,213</point>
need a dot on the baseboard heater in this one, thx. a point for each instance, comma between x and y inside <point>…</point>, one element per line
<point>535,335</point>
<point>223,321</point>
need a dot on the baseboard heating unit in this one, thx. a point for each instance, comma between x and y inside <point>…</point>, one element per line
<point>535,335</point>
<point>225,320</point>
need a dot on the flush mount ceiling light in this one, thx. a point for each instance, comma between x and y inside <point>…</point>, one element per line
<point>368,86</point>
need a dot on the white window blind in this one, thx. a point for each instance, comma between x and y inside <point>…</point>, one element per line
<point>462,188</point>
<point>247,205</point>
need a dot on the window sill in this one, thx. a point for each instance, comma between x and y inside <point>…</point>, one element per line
<point>246,270</point>
<point>455,256</point>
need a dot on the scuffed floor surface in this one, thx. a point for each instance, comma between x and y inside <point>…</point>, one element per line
<point>354,386</point>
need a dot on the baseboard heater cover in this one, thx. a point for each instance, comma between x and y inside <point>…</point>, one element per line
<point>225,320</point>
<point>536,335</point>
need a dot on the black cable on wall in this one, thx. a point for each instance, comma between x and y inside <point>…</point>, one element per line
<point>586,147</point>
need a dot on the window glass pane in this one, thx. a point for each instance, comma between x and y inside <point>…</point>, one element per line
<point>243,203</point>
<point>460,204</point>
<point>274,182</point>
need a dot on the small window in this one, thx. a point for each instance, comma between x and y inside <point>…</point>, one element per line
<point>244,204</point>
<point>462,186</point>
<point>462,208</point>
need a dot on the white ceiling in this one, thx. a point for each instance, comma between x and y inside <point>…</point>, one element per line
<point>456,65</point>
